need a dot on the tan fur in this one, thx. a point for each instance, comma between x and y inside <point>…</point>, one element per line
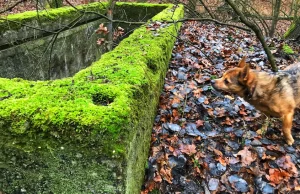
<point>273,94</point>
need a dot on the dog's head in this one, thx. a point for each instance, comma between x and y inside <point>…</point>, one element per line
<point>235,80</point>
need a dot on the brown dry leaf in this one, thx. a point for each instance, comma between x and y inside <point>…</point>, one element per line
<point>276,176</point>
<point>100,41</point>
<point>188,149</point>
<point>171,149</point>
<point>165,173</point>
<point>228,121</point>
<point>276,148</point>
<point>155,150</point>
<point>175,114</point>
<point>172,140</point>
<point>199,123</point>
<point>175,100</point>
<point>256,171</point>
<point>210,112</point>
<point>222,160</point>
<point>206,101</point>
<point>265,156</point>
<point>157,178</point>
<point>247,157</point>
<point>193,85</point>
<point>220,112</point>
<point>243,111</point>
<point>197,93</point>
<point>218,152</point>
<point>102,29</point>
<point>286,163</point>
<point>169,88</point>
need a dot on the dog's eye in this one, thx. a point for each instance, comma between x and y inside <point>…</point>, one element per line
<point>226,81</point>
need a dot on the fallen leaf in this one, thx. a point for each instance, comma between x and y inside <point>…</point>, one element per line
<point>188,149</point>
<point>276,176</point>
<point>247,157</point>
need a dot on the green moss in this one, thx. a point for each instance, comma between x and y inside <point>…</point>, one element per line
<point>109,106</point>
<point>287,49</point>
<point>291,29</point>
<point>84,104</point>
<point>15,21</point>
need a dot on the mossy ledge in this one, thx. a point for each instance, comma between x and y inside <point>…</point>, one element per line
<point>16,21</point>
<point>88,133</point>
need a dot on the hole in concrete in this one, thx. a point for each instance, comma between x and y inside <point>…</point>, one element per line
<point>101,99</point>
<point>151,64</point>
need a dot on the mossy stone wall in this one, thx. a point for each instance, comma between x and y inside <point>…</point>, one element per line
<point>294,31</point>
<point>34,54</point>
<point>88,133</point>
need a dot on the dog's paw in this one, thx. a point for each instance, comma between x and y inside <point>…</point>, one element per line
<point>290,141</point>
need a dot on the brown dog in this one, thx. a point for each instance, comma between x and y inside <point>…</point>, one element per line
<point>274,94</point>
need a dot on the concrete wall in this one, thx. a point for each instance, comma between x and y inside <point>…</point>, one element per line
<point>89,133</point>
<point>33,54</point>
<point>71,51</point>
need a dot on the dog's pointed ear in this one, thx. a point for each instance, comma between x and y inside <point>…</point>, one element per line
<point>245,72</point>
<point>242,62</point>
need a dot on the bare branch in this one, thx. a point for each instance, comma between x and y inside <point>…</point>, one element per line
<point>206,8</point>
<point>212,20</point>
<point>257,33</point>
<point>14,5</point>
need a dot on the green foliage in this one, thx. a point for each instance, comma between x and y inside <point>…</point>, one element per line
<point>291,28</point>
<point>287,49</point>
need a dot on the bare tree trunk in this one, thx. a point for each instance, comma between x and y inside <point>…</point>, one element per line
<point>206,8</point>
<point>257,32</point>
<point>109,15</point>
<point>296,8</point>
<point>276,11</point>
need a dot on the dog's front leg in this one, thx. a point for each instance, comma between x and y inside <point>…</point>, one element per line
<point>287,120</point>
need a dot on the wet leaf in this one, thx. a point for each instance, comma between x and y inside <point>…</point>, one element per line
<point>238,183</point>
<point>247,157</point>
<point>213,184</point>
<point>188,149</point>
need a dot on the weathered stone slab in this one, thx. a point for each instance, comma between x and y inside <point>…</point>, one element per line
<point>88,133</point>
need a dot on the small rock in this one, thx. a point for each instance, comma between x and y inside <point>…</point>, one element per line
<point>256,143</point>
<point>268,189</point>
<point>213,184</point>
<point>239,184</point>
<point>234,145</point>
<point>228,129</point>
<point>290,149</point>
<point>181,75</point>
<point>171,127</point>
<point>239,133</point>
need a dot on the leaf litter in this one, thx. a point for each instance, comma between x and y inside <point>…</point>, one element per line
<point>205,141</point>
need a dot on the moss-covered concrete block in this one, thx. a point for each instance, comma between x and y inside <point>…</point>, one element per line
<point>88,133</point>
<point>293,32</point>
<point>33,54</point>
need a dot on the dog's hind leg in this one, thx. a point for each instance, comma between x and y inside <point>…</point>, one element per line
<point>287,120</point>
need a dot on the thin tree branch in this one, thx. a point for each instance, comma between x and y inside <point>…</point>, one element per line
<point>11,7</point>
<point>206,8</point>
<point>257,33</point>
<point>212,20</point>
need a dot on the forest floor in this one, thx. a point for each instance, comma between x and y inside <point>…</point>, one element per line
<point>204,141</point>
